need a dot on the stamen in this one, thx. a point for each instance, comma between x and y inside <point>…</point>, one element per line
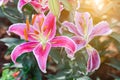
<point>41,22</point>
<point>33,19</point>
<point>28,24</point>
<point>36,32</point>
<point>25,34</point>
<point>44,28</point>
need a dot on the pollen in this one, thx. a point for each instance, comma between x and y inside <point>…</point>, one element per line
<point>36,32</point>
<point>44,28</point>
<point>41,22</point>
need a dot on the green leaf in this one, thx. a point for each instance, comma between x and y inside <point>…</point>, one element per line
<point>115,63</point>
<point>84,78</point>
<point>61,75</point>
<point>66,5</point>
<point>7,75</point>
<point>1,14</point>
<point>81,60</point>
<point>12,14</point>
<point>37,74</point>
<point>55,54</point>
<point>54,7</point>
<point>9,50</point>
<point>11,41</point>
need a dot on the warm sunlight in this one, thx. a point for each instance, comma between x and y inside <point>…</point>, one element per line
<point>99,4</point>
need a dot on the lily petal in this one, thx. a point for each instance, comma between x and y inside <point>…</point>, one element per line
<point>41,54</point>
<point>83,23</point>
<point>78,20</point>
<point>37,21</point>
<point>63,41</point>
<point>80,42</point>
<point>102,28</point>
<point>89,22</point>
<point>49,26</point>
<point>36,5</point>
<point>18,29</point>
<point>93,62</point>
<point>20,5</point>
<point>71,27</point>
<point>39,5</point>
<point>22,48</point>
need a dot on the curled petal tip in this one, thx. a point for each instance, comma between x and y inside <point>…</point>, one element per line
<point>8,32</point>
<point>71,57</point>
<point>44,71</point>
<point>70,54</point>
<point>13,58</point>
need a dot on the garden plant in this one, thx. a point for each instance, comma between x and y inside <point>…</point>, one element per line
<point>60,39</point>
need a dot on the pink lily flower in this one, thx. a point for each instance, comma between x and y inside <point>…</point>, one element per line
<point>40,35</point>
<point>84,32</point>
<point>42,5</point>
<point>38,5</point>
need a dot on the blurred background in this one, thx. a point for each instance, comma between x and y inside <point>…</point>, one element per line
<point>108,47</point>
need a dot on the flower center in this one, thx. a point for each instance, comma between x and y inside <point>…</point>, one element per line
<point>37,31</point>
<point>41,38</point>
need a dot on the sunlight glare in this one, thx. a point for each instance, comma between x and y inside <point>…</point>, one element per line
<point>99,4</point>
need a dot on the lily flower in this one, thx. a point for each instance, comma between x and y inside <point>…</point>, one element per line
<point>38,5</point>
<point>42,5</point>
<point>40,37</point>
<point>84,32</point>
